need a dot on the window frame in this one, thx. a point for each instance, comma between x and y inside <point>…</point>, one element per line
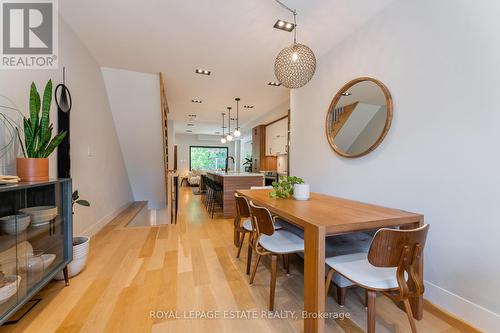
<point>197,146</point>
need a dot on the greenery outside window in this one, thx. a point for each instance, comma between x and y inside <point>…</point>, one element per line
<point>207,158</point>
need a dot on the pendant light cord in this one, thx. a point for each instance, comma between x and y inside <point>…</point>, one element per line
<point>294,12</point>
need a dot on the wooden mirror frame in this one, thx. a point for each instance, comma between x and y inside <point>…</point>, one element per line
<point>388,121</point>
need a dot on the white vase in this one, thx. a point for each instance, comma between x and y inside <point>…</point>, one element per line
<point>80,256</point>
<point>301,191</point>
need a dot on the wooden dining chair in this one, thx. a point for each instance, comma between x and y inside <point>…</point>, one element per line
<point>243,225</point>
<point>391,266</point>
<point>269,241</point>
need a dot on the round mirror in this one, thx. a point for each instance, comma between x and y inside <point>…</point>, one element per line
<point>359,117</point>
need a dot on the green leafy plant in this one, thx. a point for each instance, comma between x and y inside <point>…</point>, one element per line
<point>248,164</point>
<point>75,199</point>
<point>284,187</point>
<point>38,141</point>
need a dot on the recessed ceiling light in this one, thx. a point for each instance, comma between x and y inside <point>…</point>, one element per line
<point>248,106</point>
<point>196,101</point>
<point>191,115</point>
<point>346,94</point>
<point>202,71</point>
<point>284,25</point>
<point>276,84</point>
<point>190,124</point>
<point>189,131</point>
<point>217,132</point>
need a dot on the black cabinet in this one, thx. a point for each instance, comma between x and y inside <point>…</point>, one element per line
<point>35,239</point>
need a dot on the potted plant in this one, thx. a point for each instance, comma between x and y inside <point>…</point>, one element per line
<point>81,244</point>
<point>284,188</point>
<point>248,164</point>
<point>38,141</point>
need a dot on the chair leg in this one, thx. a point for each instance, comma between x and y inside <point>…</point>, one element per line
<point>371,311</point>
<point>366,298</point>
<point>242,238</point>
<point>328,280</point>
<point>249,253</point>
<point>341,291</point>
<point>286,258</point>
<point>255,268</point>
<point>272,291</point>
<point>409,313</point>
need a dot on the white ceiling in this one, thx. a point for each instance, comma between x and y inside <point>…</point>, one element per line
<point>232,38</point>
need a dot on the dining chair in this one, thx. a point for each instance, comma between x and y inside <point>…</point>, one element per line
<point>269,241</point>
<point>243,225</point>
<point>391,267</point>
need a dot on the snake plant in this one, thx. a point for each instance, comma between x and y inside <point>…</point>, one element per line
<point>38,141</point>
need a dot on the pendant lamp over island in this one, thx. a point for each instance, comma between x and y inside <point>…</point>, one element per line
<point>295,65</point>
<point>223,139</point>
<point>237,132</point>
<point>229,137</point>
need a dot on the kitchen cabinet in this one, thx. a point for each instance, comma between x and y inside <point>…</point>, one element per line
<point>260,161</point>
<point>277,137</point>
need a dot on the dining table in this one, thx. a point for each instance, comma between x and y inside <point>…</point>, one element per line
<point>324,215</point>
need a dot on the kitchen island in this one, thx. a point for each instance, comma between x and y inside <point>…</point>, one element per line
<point>232,181</point>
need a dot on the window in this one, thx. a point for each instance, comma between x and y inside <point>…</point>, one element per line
<point>207,158</point>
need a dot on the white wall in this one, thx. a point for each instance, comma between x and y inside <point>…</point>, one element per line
<point>101,178</point>
<point>273,114</point>
<point>135,104</point>
<point>440,60</point>
<point>183,141</point>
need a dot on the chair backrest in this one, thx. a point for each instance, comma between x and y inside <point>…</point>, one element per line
<point>402,249</point>
<point>242,208</point>
<point>261,187</point>
<point>262,219</point>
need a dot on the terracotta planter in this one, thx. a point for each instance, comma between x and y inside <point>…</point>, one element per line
<point>33,169</point>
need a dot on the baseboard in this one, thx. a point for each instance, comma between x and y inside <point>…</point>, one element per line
<point>94,228</point>
<point>476,317</point>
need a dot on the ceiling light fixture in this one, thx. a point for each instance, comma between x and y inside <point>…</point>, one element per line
<point>237,132</point>
<point>248,106</point>
<point>275,84</point>
<point>189,131</point>
<point>223,139</point>
<point>283,25</point>
<point>191,115</point>
<point>198,101</point>
<point>202,71</point>
<point>346,94</point>
<point>229,137</point>
<point>295,65</point>
<point>190,124</point>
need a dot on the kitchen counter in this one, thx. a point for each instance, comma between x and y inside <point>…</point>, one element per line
<point>231,182</point>
<point>235,174</point>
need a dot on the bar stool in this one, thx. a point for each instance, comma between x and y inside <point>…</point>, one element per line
<point>269,241</point>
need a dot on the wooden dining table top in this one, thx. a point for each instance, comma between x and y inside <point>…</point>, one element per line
<point>336,215</point>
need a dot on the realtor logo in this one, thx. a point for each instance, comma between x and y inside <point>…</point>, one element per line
<point>29,34</point>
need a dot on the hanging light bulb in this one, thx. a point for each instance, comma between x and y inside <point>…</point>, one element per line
<point>229,137</point>
<point>295,65</point>
<point>237,132</point>
<point>223,139</point>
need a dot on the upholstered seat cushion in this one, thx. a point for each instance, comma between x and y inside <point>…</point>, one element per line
<point>356,268</point>
<point>282,241</point>
<point>247,225</point>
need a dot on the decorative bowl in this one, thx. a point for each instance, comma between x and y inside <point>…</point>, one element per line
<point>8,223</point>
<point>40,215</point>
<point>8,287</point>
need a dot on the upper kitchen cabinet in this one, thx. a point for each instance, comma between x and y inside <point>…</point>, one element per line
<point>277,137</point>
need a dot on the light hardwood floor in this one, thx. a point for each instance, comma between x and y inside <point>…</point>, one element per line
<point>189,266</point>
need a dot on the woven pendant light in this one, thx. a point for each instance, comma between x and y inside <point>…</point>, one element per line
<point>295,65</point>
